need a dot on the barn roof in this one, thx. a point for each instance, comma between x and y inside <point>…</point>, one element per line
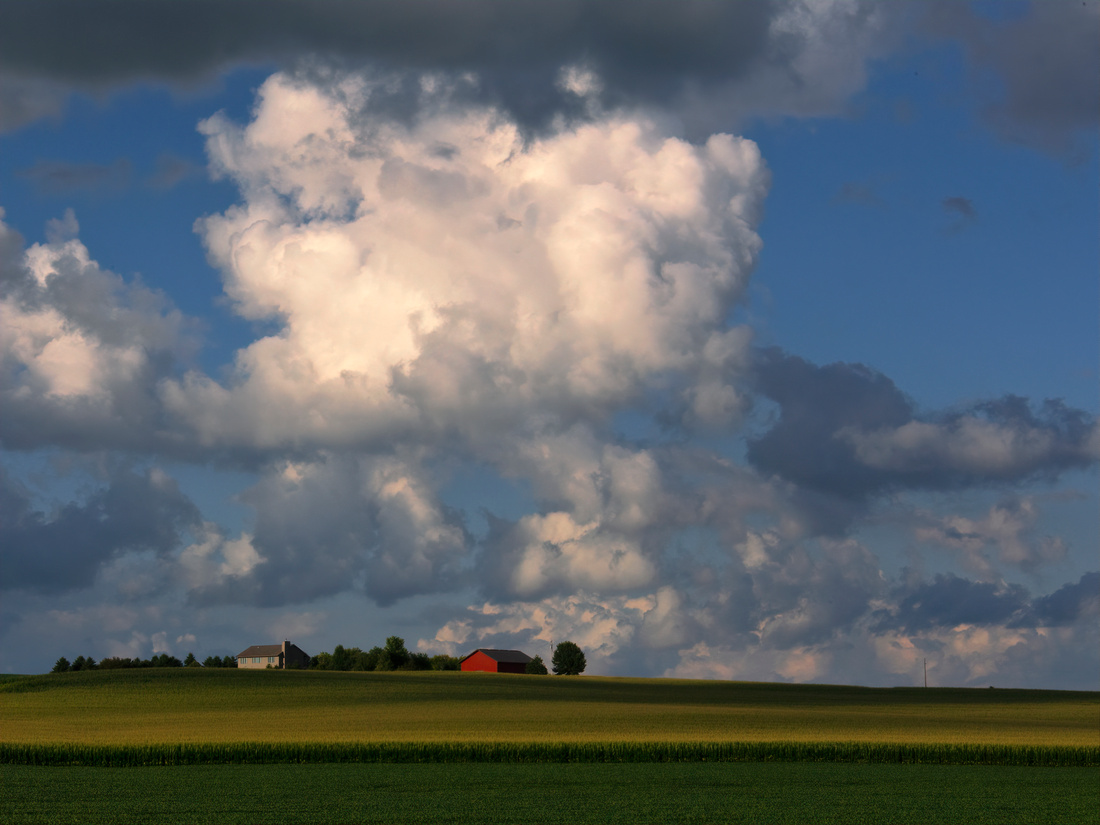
<point>500,655</point>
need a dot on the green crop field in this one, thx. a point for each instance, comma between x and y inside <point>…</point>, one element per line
<point>754,792</point>
<point>409,747</point>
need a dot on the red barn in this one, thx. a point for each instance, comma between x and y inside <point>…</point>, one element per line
<point>495,661</point>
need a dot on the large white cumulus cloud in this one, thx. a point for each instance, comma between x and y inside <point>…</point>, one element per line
<point>445,275</point>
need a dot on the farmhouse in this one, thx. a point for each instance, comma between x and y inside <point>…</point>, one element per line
<point>277,656</point>
<point>495,661</point>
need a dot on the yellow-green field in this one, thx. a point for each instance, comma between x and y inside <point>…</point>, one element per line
<point>147,707</point>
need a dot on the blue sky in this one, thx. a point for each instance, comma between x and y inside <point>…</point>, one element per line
<point>752,341</point>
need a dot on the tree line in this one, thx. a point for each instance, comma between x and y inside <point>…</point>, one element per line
<point>63,665</point>
<point>393,656</point>
<point>568,659</point>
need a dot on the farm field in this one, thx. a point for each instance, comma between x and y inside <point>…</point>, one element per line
<point>152,707</point>
<point>321,747</point>
<point>757,792</point>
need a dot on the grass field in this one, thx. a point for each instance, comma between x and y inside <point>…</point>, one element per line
<point>400,735</point>
<point>140,707</point>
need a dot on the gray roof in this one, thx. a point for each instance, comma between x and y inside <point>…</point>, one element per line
<point>270,650</point>
<point>261,650</point>
<point>501,655</point>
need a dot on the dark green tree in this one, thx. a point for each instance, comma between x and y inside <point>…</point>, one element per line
<point>536,666</point>
<point>569,659</point>
<point>399,656</point>
<point>61,666</point>
<point>340,658</point>
<point>442,661</point>
<point>191,661</point>
<point>376,659</point>
<point>418,661</point>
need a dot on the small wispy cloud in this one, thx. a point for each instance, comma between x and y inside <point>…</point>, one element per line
<point>170,170</point>
<point>961,211</point>
<point>863,194</point>
<point>56,177</point>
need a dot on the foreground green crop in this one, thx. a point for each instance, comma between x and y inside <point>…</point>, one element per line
<point>550,793</point>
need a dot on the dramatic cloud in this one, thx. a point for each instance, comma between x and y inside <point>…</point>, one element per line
<point>847,431</point>
<point>535,60</point>
<point>65,549</point>
<point>948,601</point>
<point>474,272</point>
<point>81,350</point>
<point>513,243</point>
<point>334,524</point>
<point>1070,603</point>
<point>1043,67</point>
<point>1004,536</point>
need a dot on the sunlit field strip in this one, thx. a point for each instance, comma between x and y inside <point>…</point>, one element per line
<point>230,707</point>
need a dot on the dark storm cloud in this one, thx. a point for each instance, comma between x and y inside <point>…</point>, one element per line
<point>948,600</point>
<point>815,404</point>
<point>713,62</point>
<point>845,431</point>
<point>642,49</point>
<point>1045,64</point>
<point>1068,604</point>
<point>63,550</point>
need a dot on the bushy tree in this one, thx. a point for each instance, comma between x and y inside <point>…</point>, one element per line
<point>569,659</point>
<point>191,661</point>
<point>418,661</point>
<point>340,658</point>
<point>536,666</point>
<point>398,655</point>
<point>61,666</point>
<point>442,661</point>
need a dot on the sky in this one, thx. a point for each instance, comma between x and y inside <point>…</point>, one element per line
<point>750,341</point>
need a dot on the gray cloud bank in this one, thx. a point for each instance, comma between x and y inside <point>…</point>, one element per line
<point>711,63</point>
<point>847,431</point>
